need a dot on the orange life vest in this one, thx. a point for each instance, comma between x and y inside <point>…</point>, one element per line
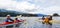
<point>46,20</point>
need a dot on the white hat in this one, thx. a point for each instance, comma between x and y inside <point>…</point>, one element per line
<point>8,15</point>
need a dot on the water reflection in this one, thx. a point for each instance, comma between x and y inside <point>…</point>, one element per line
<point>36,25</point>
<point>47,26</point>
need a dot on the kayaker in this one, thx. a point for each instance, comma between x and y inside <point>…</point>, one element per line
<point>50,18</point>
<point>17,20</point>
<point>9,20</point>
<point>43,18</point>
<point>46,20</point>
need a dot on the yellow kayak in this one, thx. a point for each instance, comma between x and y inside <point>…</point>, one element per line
<point>55,21</point>
<point>52,21</point>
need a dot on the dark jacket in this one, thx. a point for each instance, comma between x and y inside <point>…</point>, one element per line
<point>9,20</point>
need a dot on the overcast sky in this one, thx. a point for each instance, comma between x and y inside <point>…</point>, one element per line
<point>32,6</point>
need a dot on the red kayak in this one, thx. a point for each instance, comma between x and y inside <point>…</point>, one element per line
<point>6,23</point>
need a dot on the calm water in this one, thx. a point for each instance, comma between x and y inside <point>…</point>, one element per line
<point>31,22</point>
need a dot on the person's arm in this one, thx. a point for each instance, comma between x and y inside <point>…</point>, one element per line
<point>6,20</point>
<point>12,20</point>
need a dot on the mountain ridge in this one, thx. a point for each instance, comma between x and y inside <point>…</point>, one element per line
<point>4,12</point>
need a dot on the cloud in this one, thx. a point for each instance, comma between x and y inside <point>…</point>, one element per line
<point>48,10</point>
<point>14,5</point>
<point>32,6</point>
<point>53,9</point>
<point>46,6</point>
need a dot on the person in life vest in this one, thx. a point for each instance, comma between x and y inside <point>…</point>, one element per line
<point>9,20</point>
<point>46,20</point>
<point>16,20</point>
<point>50,18</point>
<point>43,19</point>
